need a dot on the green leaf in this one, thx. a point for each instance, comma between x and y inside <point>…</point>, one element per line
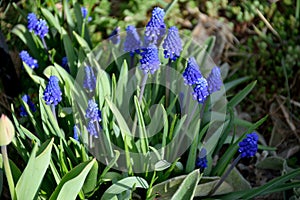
<point>69,49</point>
<point>125,184</point>
<point>68,14</point>
<point>241,95</point>
<point>237,181</point>
<point>142,128</point>
<point>273,163</point>
<point>51,19</point>
<point>121,122</point>
<point>22,32</point>
<point>34,172</point>
<point>83,44</point>
<point>91,179</point>
<point>235,82</point>
<point>16,173</point>
<point>72,182</point>
<point>205,188</point>
<point>170,6</point>
<point>122,81</point>
<point>166,189</point>
<point>188,187</point>
<point>275,185</point>
<point>193,149</point>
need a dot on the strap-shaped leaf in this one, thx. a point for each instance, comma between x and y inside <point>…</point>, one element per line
<point>34,172</point>
<point>188,187</point>
<point>72,182</point>
<point>123,185</point>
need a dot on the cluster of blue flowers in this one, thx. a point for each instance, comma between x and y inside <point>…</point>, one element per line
<point>28,60</point>
<point>115,36</point>
<point>156,28</point>
<point>202,87</point>
<point>52,93</point>
<point>93,115</point>
<point>89,79</point>
<point>38,26</point>
<point>132,42</point>
<point>27,100</point>
<point>84,13</point>
<point>154,32</point>
<point>201,161</point>
<point>248,146</point>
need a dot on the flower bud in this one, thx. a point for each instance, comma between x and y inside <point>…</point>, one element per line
<point>7,130</point>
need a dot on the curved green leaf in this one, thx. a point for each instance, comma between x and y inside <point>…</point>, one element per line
<point>72,182</point>
<point>34,172</point>
<point>124,185</point>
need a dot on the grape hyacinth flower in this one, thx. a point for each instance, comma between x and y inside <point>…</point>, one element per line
<point>192,74</point>
<point>26,58</point>
<point>84,13</point>
<point>41,28</point>
<point>214,80</point>
<point>27,100</point>
<point>52,93</point>
<point>75,133</point>
<point>132,42</point>
<point>172,44</point>
<point>64,64</point>
<point>150,60</point>
<point>32,21</point>
<point>92,129</point>
<point>92,111</point>
<point>248,146</point>
<point>115,36</point>
<point>90,79</point>
<point>156,28</point>
<point>201,161</point>
<point>201,90</point>
<point>38,26</point>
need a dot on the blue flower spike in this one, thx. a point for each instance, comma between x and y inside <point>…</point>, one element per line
<point>32,21</point>
<point>214,80</point>
<point>192,74</point>
<point>115,36</point>
<point>92,112</point>
<point>90,79</point>
<point>84,13</point>
<point>156,28</point>
<point>172,45</point>
<point>201,91</point>
<point>52,93</point>
<point>26,58</point>
<point>150,60</point>
<point>91,128</point>
<point>248,146</point>
<point>27,100</point>
<point>201,161</point>
<point>38,26</point>
<point>75,132</point>
<point>132,42</point>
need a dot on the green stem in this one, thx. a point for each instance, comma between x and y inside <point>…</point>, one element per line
<point>53,112</point>
<point>8,174</point>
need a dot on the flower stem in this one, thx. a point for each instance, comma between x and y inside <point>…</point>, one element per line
<point>46,48</point>
<point>225,175</point>
<point>53,111</point>
<point>168,83</point>
<point>140,100</point>
<point>8,174</point>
